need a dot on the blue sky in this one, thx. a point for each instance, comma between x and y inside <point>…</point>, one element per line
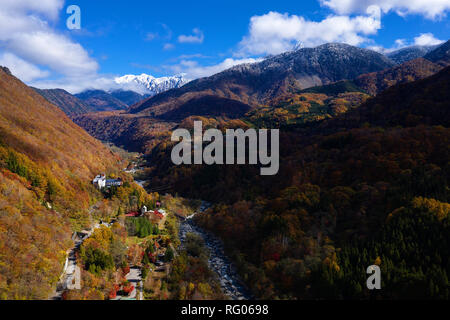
<point>195,37</point>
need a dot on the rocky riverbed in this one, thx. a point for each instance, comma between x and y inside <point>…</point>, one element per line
<point>229,280</point>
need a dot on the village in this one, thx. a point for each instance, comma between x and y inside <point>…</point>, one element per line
<point>136,274</point>
<point>152,229</point>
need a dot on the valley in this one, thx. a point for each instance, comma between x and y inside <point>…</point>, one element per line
<point>363,180</point>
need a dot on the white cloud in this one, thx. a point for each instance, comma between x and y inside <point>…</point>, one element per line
<point>168,46</point>
<point>424,39</point>
<point>76,85</point>
<point>196,37</point>
<point>55,51</point>
<point>23,70</point>
<point>274,32</point>
<point>193,70</point>
<point>427,39</point>
<point>25,32</point>
<point>431,9</point>
<point>399,43</point>
<point>151,36</point>
<point>48,8</point>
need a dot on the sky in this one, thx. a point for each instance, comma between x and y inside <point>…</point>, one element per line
<point>197,38</point>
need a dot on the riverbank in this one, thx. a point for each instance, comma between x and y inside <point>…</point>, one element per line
<point>218,262</point>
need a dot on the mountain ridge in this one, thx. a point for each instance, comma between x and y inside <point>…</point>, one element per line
<point>67,102</point>
<point>410,53</point>
<point>256,83</point>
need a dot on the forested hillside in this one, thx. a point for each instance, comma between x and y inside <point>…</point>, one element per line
<point>367,187</point>
<point>46,167</point>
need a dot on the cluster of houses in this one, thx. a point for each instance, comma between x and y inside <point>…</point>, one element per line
<point>159,214</point>
<point>101,182</point>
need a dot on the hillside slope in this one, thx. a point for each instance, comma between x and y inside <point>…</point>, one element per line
<point>367,187</point>
<point>413,70</point>
<point>67,102</point>
<point>99,100</point>
<point>440,55</point>
<point>409,53</point>
<point>46,165</point>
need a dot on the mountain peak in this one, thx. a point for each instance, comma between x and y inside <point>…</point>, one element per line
<point>150,85</point>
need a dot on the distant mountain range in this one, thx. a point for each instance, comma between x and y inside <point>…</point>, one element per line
<point>101,100</point>
<point>133,90</point>
<point>257,83</point>
<point>333,70</point>
<point>410,53</point>
<point>148,85</point>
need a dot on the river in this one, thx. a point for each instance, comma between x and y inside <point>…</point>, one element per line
<point>229,280</point>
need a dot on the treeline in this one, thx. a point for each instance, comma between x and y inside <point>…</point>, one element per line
<point>191,278</point>
<point>141,227</point>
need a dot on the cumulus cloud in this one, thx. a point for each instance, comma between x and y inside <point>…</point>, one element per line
<point>427,39</point>
<point>193,70</point>
<point>25,33</point>
<point>431,9</point>
<point>48,8</point>
<point>196,37</point>
<point>273,33</point>
<point>22,69</point>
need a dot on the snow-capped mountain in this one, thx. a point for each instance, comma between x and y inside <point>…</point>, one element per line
<point>148,85</point>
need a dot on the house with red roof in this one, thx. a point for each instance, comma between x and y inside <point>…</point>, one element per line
<point>133,214</point>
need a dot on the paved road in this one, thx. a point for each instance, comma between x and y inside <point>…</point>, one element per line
<point>71,276</point>
<point>135,277</point>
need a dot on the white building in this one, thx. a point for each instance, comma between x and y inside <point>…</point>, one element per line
<point>99,181</point>
<point>144,210</point>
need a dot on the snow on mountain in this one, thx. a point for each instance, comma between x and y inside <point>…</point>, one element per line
<point>148,85</point>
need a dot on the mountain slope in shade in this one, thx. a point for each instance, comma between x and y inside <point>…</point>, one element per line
<point>135,133</point>
<point>440,55</point>
<point>44,158</point>
<point>209,106</point>
<point>406,105</point>
<point>128,97</point>
<point>375,82</point>
<point>99,100</point>
<point>256,83</point>
<point>67,102</point>
<point>410,53</point>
